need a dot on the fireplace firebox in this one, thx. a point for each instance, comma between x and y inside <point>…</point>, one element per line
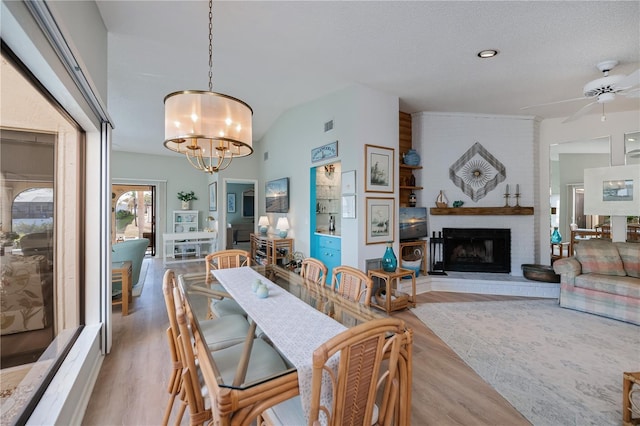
<point>477,249</point>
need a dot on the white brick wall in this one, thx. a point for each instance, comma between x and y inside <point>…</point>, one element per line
<point>441,138</point>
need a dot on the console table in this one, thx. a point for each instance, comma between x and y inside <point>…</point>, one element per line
<point>188,246</point>
<point>269,249</point>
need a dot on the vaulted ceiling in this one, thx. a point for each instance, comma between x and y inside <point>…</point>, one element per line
<point>277,55</point>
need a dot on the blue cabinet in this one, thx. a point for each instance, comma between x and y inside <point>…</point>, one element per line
<point>328,250</point>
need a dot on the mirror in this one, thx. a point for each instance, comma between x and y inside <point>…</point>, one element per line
<point>567,163</point>
<point>632,148</point>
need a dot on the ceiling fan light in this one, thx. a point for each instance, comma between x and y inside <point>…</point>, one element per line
<point>605,98</point>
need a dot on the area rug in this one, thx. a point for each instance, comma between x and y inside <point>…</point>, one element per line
<point>554,365</point>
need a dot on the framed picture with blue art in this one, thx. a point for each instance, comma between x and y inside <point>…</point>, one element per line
<point>277,196</point>
<point>231,203</point>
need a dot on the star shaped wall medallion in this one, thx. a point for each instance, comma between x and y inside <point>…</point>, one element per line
<point>477,172</point>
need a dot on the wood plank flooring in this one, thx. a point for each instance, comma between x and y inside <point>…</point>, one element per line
<point>131,386</point>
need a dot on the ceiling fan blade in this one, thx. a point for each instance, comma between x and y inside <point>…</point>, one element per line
<point>629,81</point>
<point>634,93</point>
<point>554,103</point>
<point>582,111</point>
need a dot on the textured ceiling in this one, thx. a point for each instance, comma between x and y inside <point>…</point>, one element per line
<point>276,55</point>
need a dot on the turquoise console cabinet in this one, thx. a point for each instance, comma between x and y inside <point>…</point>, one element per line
<point>328,251</point>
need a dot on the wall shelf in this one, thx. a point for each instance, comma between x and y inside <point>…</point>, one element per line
<point>482,211</point>
<point>411,187</point>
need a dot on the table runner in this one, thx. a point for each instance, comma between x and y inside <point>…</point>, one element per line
<point>296,328</point>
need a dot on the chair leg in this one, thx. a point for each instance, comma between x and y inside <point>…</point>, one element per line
<point>174,390</point>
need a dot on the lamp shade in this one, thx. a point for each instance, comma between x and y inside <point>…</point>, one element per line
<point>263,224</point>
<point>282,226</point>
<point>207,127</point>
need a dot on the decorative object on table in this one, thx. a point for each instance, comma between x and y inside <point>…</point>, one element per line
<point>389,259</point>
<point>458,203</point>
<point>379,169</point>
<point>441,201</point>
<point>263,291</point>
<point>231,203</point>
<point>477,172</point>
<point>411,158</point>
<point>324,152</point>
<point>379,220</point>
<point>517,195</point>
<point>212,225</point>
<point>213,196</point>
<point>556,237</point>
<point>332,224</point>
<point>277,195</point>
<point>254,285</point>
<point>506,196</point>
<point>186,198</point>
<point>263,224</point>
<point>282,226</point>
<point>223,132</point>
<point>412,199</point>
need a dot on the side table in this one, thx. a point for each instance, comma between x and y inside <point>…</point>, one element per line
<point>401,300</point>
<point>628,410</point>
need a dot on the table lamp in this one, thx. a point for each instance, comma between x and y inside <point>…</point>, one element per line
<point>263,224</point>
<point>283,226</point>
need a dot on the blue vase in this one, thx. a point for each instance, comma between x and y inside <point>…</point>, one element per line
<point>555,236</point>
<point>411,158</point>
<point>389,260</point>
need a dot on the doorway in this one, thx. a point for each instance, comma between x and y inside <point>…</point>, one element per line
<point>238,213</point>
<point>133,214</point>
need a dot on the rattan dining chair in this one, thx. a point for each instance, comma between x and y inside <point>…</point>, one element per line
<point>352,284</point>
<point>314,270</point>
<point>366,384</point>
<point>219,333</point>
<point>225,259</point>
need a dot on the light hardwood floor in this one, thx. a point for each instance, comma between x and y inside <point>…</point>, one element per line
<point>131,386</point>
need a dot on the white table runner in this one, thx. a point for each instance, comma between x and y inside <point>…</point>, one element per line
<point>296,328</point>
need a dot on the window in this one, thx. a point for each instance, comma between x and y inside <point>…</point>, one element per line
<point>41,227</point>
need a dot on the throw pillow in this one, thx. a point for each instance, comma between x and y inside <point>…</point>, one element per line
<point>599,257</point>
<point>630,255</point>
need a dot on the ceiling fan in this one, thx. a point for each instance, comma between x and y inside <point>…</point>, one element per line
<point>603,90</point>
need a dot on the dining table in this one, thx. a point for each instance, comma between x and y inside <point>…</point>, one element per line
<point>295,318</point>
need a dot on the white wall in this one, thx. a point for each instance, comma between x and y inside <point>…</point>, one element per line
<point>361,116</point>
<point>442,138</point>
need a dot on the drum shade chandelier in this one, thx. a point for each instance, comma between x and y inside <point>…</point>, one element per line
<point>209,128</point>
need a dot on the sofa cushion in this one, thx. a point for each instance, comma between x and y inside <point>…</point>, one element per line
<point>599,257</point>
<point>630,255</point>
<point>622,286</point>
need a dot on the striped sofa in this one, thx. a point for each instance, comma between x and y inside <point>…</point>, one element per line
<point>603,278</point>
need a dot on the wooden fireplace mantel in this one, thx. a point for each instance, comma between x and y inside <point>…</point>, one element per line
<point>482,211</point>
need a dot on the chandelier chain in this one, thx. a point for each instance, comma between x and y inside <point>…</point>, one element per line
<point>211,45</point>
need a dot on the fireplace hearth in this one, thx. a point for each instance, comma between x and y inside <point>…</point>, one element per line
<point>477,249</point>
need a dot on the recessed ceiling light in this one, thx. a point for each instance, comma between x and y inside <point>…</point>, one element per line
<point>489,53</point>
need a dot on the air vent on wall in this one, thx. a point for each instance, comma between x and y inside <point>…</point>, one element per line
<point>328,126</point>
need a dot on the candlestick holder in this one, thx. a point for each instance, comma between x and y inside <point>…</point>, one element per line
<point>517,197</point>
<point>506,199</point>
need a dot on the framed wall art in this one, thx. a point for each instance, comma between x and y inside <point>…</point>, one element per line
<point>213,196</point>
<point>349,206</point>
<point>348,182</point>
<point>379,168</point>
<point>612,190</point>
<point>380,220</point>
<point>324,152</point>
<point>277,196</point>
<point>231,203</point>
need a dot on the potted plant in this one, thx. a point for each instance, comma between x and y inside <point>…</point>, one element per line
<point>186,198</point>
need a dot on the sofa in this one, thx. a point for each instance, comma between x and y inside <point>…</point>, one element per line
<point>602,278</point>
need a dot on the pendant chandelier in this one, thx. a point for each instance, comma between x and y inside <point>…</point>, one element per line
<point>209,128</point>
